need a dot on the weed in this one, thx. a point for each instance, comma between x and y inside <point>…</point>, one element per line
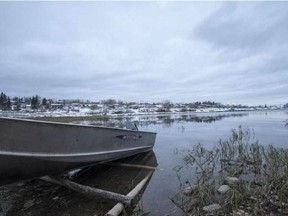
<point>262,173</point>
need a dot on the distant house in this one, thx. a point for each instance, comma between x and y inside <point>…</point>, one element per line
<point>27,106</point>
<point>75,107</point>
<point>57,106</point>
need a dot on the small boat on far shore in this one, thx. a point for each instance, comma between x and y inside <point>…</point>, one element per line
<point>31,149</point>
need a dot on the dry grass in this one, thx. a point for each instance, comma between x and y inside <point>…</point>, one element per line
<point>69,119</point>
<point>264,192</point>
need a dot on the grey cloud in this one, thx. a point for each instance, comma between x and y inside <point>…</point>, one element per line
<point>145,51</point>
<point>256,26</point>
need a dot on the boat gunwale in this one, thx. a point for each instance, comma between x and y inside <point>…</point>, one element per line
<point>66,155</point>
<point>71,124</point>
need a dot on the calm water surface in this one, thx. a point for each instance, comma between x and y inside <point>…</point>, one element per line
<point>177,133</point>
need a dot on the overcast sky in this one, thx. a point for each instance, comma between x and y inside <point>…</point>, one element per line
<point>228,52</point>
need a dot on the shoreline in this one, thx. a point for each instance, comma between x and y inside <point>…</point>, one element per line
<point>82,115</point>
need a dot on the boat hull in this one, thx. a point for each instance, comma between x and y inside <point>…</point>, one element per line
<point>30,149</point>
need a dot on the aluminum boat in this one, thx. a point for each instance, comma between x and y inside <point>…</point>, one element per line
<point>31,149</point>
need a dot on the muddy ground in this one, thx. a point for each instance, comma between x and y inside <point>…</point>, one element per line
<point>37,197</point>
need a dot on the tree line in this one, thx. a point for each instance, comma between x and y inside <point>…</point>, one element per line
<point>34,101</point>
<point>5,102</point>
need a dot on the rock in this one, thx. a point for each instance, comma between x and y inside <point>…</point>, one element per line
<point>189,190</point>
<point>240,213</point>
<point>211,207</point>
<point>28,204</point>
<point>232,180</point>
<point>223,189</point>
<point>259,180</point>
<point>20,184</point>
<point>247,177</point>
<point>55,198</point>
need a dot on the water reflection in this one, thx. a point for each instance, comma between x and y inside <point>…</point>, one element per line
<point>37,197</point>
<point>165,120</point>
<point>170,148</point>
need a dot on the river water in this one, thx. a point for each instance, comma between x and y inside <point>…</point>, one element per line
<point>178,133</point>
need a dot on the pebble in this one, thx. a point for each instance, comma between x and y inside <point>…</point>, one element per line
<point>20,184</point>
<point>55,198</point>
<point>28,204</point>
<point>211,207</point>
<point>189,190</point>
<point>232,180</point>
<point>223,189</point>
<point>240,213</point>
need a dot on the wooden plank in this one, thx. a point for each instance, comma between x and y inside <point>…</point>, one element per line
<point>133,166</point>
<point>126,199</point>
<point>118,208</point>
